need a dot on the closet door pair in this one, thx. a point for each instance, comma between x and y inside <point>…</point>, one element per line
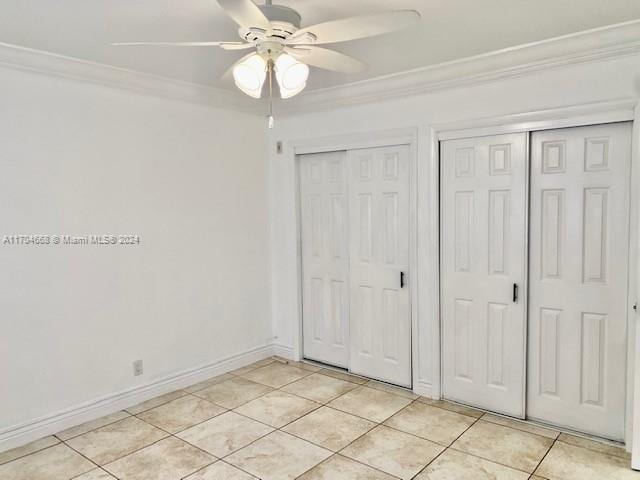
<point>355,261</point>
<point>534,284</point>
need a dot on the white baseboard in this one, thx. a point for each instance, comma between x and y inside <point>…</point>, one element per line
<point>283,351</point>
<point>21,434</point>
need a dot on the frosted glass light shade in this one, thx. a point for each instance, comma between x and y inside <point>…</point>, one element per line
<point>291,75</point>
<point>250,74</point>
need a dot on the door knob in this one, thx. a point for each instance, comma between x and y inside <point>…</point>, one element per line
<point>515,293</point>
<point>402,280</point>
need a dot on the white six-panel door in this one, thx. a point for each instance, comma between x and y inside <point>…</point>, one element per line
<point>483,248</point>
<point>379,263</point>
<point>578,284</point>
<point>325,257</point>
<point>355,254</point>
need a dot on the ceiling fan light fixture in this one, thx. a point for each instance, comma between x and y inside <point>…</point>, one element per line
<point>250,74</point>
<point>291,75</point>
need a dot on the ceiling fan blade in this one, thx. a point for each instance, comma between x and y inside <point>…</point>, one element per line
<point>236,46</point>
<point>245,13</point>
<point>327,59</point>
<point>225,45</point>
<point>356,27</point>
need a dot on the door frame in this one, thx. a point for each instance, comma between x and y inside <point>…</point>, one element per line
<point>385,138</point>
<point>563,117</point>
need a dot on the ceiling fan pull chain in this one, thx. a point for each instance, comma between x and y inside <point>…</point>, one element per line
<point>270,121</point>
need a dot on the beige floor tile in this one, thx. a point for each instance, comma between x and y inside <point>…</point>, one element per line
<point>155,402</point>
<point>264,362</point>
<point>329,428</point>
<point>276,374</point>
<point>97,474</point>
<point>27,449</point>
<point>518,425</point>
<point>432,423</point>
<point>181,413</point>
<point>92,425</point>
<point>302,365</point>
<point>277,408</point>
<point>454,407</point>
<point>344,376</point>
<point>168,459</point>
<point>319,388</point>
<point>220,471</point>
<point>53,463</point>
<point>393,452</point>
<point>225,433</point>
<point>278,456</point>
<point>385,387</point>
<point>372,404</point>
<point>342,468</point>
<point>504,445</point>
<point>568,462</point>
<point>233,393</point>
<point>207,383</point>
<point>452,465</point>
<point>594,445</point>
<point>116,440</point>
<point>242,370</point>
<point>252,366</point>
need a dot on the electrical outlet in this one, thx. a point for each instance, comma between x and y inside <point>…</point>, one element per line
<point>137,368</point>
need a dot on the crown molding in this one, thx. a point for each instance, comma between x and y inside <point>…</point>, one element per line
<point>595,45</point>
<point>37,61</point>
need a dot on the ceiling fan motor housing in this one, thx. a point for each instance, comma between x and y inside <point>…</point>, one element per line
<point>284,21</point>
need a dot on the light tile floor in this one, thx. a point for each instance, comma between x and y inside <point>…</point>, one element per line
<point>278,420</point>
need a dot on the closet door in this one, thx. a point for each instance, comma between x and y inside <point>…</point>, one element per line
<point>379,259</point>
<point>483,264</point>
<point>325,257</point>
<point>578,282</point>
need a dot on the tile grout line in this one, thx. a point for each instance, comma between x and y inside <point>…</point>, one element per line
<point>64,442</point>
<point>169,434</point>
<point>83,456</point>
<point>35,451</point>
<point>451,410</point>
<point>447,447</point>
<point>333,453</point>
<point>337,454</point>
<point>89,431</point>
<point>544,456</point>
<point>593,450</point>
<point>309,373</point>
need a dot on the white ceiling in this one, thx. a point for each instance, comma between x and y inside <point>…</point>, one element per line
<point>450,29</point>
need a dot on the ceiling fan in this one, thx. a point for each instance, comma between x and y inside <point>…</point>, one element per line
<point>282,48</point>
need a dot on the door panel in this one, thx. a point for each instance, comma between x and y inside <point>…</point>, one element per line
<point>325,257</point>
<point>379,252</point>
<point>483,245</point>
<point>578,278</point>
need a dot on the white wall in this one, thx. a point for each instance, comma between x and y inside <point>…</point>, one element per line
<point>553,88</point>
<point>191,181</point>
